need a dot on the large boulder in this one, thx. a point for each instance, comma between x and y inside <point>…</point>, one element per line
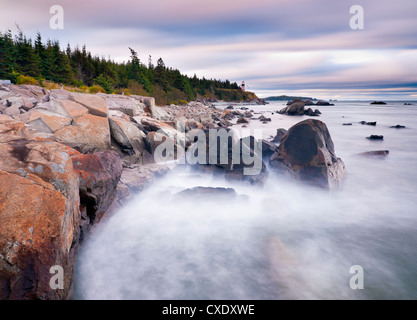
<point>294,109</point>
<point>158,113</point>
<point>53,120</point>
<point>88,134</point>
<point>307,153</point>
<point>126,104</point>
<point>156,125</point>
<point>99,174</point>
<point>68,108</point>
<point>39,217</point>
<point>127,134</point>
<point>297,108</point>
<point>238,159</point>
<point>95,104</point>
<point>133,180</point>
<point>129,138</point>
<point>29,91</point>
<point>10,126</point>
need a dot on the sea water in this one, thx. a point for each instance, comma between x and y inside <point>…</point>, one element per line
<point>283,241</point>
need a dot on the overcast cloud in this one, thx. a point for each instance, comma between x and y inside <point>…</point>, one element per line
<point>276,46</point>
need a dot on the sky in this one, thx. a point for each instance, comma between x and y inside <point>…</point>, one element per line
<point>293,47</point>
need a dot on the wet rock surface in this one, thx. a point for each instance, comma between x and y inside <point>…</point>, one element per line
<point>307,153</point>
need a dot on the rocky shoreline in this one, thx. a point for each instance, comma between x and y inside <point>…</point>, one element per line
<point>68,159</point>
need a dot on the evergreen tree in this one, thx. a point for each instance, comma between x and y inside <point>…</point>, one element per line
<point>26,60</point>
<point>42,56</point>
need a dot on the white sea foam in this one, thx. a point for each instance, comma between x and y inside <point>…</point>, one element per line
<point>284,241</point>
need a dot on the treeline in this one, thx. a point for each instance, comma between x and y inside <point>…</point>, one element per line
<point>22,59</point>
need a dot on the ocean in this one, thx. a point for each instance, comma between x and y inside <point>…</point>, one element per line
<point>283,241</point>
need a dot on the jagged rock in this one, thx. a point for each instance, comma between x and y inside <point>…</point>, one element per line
<point>294,109</point>
<point>309,112</point>
<point>307,153</point>
<point>28,91</point>
<point>99,174</point>
<point>158,113</point>
<point>125,104</point>
<point>224,123</point>
<point>264,119</point>
<point>147,101</point>
<point>37,126</point>
<point>68,108</point>
<point>227,115</point>
<point>155,139</point>
<point>229,155</point>
<point>60,94</point>
<point>13,110</point>
<point>323,103</point>
<point>54,121</point>
<point>10,126</point>
<point>88,134</point>
<point>268,148</point>
<point>129,137</point>
<point>95,104</point>
<point>39,217</point>
<point>133,180</point>
<point>242,121</point>
<point>280,134</point>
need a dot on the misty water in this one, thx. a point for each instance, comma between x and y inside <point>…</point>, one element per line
<point>282,241</point>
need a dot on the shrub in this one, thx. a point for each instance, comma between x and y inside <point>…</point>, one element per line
<point>96,89</point>
<point>136,88</point>
<point>21,79</point>
<point>83,88</point>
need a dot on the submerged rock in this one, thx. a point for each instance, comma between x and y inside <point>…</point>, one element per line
<point>373,123</point>
<point>378,153</point>
<point>375,137</point>
<point>307,153</point>
<point>398,126</point>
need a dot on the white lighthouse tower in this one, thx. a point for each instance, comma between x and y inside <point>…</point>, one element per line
<point>242,86</point>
